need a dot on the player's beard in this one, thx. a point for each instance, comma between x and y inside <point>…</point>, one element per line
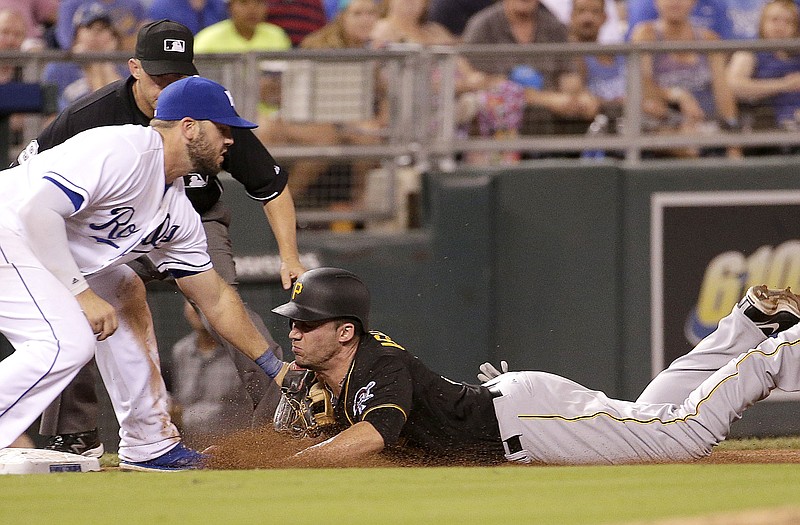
<point>203,156</point>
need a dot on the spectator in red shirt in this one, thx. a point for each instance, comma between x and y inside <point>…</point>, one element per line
<point>298,18</point>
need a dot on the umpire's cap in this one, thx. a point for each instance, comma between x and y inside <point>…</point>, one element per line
<point>166,47</point>
<point>328,293</point>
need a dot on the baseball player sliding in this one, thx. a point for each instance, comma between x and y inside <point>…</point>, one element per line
<point>381,396</point>
<point>71,218</point>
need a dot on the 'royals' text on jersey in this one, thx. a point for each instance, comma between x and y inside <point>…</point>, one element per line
<point>123,208</point>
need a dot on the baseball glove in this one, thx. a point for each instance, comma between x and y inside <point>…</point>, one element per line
<point>305,408</point>
<point>321,406</point>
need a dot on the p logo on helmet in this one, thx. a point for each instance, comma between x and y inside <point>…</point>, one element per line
<point>328,293</point>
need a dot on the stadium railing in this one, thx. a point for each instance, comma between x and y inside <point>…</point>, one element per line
<point>417,86</point>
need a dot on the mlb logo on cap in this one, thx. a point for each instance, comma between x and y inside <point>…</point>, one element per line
<point>176,46</point>
<point>165,47</point>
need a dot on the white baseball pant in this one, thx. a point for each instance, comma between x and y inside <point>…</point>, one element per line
<point>50,335</point>
<point>734,335</point>
<point>130,367</point>
<point>561,422</point>
<point>53,340</point>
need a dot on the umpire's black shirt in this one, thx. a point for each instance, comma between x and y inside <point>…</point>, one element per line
<point>247,160</point>
<point>408,404</point>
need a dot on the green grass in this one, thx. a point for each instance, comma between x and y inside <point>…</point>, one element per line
<point>495,495</point>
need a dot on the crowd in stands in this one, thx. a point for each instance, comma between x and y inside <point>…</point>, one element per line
<point>12,38</point>
<point>497,96</point>
<point>93,31</point>
<point>350,28</point>
<point>683,91</point>
<point>768,82</point>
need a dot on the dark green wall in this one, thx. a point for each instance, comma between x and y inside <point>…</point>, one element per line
<point>558,271</point>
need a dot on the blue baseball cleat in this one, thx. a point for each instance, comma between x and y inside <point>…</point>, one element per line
<point>176,459</point>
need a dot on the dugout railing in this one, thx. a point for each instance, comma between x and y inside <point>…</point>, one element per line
<point>416,87</point>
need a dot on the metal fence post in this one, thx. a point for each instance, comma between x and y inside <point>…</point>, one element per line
<point>633,107</point>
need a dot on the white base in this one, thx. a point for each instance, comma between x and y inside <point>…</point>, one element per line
<point>38,461</point>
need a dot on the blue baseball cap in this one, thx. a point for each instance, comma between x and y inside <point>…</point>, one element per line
<point>201,99</point>
<point>88,14</point>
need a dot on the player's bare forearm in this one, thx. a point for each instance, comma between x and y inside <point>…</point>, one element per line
<point>225,311</point>
<point>282,219</point>
<point>359,441</point>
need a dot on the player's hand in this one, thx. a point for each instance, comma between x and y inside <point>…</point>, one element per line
<point>488,371</point>
<point>290,271</point>
<point>101,316</point>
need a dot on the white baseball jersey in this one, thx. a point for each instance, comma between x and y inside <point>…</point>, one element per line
<point>115,180</point>
<point>122,207</point>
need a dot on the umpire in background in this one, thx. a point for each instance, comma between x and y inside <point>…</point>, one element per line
<point>164,54</point>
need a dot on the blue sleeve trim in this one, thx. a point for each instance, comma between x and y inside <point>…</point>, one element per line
<point>75,198</point>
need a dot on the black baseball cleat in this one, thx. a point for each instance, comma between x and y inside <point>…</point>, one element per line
<point>771,310</point>
<point>86,444</point>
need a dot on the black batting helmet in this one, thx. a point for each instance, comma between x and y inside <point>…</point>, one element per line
<point>327,293</point>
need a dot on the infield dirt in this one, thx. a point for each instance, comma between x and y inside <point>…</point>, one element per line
<point>256,449</point>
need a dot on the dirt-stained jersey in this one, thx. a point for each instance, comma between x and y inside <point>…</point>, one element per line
<point>122,205</point>
<point>408,404</point>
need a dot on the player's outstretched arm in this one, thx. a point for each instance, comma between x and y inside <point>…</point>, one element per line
<point>359,441</point>
<point>225,311</point>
